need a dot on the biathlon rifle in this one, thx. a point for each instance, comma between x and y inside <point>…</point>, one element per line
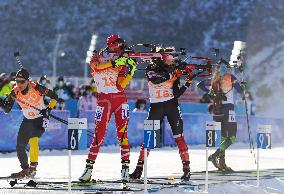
<point>156,52</point>
<point>202,69</point>
<point>182,68</point>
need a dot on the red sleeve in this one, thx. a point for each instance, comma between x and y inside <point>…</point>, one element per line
<point>122,73</point>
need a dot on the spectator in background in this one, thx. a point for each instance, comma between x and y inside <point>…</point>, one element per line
<point>71,87</point>
<point>60,104</point>
<point>62,90</point>
<point>76,92</point>
<point>87,101</point>
<point>82,90</point>
<point>140,106</point>
<point>44,81</point>
<point>7,82</point>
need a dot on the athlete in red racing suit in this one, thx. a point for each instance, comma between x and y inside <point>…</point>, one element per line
<point>109,73</point>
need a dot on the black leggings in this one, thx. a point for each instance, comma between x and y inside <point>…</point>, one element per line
<point>170,109</point>
<point>29,128</point>
<point>228,128</point>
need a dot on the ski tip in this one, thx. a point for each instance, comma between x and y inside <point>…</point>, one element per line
<point>31,183</point>
<point>13,182</point>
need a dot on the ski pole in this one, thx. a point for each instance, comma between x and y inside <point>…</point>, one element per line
<point>17,55</point>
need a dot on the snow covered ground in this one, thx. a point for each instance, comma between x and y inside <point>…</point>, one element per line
<point>162,162</point>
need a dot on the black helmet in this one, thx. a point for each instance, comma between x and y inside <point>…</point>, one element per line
<point>23,73</point>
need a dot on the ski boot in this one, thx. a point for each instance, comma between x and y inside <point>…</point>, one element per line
<point>87,174</point>
<point>223,165</point>
<point>32,171</point>
<point>125,171</point>
<point>214,158</point>
<point>186,171</point>
<point>138,170</point>
<point>22,174</point>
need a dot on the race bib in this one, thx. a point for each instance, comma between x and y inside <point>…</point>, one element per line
<point>106,81</point>
<point>163,93</point>
<point>125,111</point>
<point>45,123</point>
<point>99,113</point>
<point>160,95</point>
<point>232,116</point>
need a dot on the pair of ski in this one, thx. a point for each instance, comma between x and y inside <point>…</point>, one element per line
<point>30,183</point>
<point>27,182</point>
<point>16,181</point>
<point>102,185</point>
<point>154,181</point>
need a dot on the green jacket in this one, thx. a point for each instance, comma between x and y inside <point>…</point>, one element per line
<point>6,89</point>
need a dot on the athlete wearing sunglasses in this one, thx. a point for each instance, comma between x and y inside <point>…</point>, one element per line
<point>29,94</point>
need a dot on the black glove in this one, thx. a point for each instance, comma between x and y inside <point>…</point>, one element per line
<point>211,94</point>
<point>243,84</point>
<point>188,79</point>
<point>45,112</point>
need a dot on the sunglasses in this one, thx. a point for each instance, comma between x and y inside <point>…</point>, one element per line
<point>114,45</point>
<point>20,81</point>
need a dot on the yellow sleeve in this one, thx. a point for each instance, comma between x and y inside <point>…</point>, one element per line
<point>94,89</point>
<point>124,82</point>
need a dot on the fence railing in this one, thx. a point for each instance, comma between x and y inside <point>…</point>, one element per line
<point>56,135</point>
